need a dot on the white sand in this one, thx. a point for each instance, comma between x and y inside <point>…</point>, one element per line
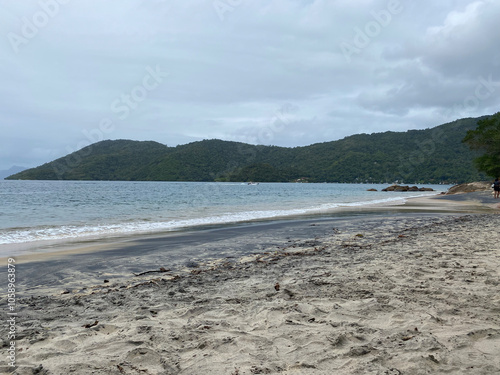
<point>389,296</point>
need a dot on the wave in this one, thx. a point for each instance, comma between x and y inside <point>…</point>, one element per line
<point>149,226</point>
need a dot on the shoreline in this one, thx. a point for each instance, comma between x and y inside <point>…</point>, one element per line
<point>46,235</point>
<point>82,268</point>
<point>53,226</point>
<point>46,249</point>
<point>83,265</point>
<point>385,293</point>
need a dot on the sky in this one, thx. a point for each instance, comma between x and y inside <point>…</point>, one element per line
<point>274,72</point>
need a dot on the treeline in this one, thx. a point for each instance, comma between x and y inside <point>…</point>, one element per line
<point>435,155</point>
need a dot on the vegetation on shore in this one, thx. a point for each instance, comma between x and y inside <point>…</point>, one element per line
<point>435,155</point>
<point>486,137</point>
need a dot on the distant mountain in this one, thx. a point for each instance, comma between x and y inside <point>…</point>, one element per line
<point>105,160</point>
<point>434,155</point>
<point>11,171</point>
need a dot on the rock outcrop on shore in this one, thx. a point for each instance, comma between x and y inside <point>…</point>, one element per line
<point>470,187</point>
<point>406,188</point>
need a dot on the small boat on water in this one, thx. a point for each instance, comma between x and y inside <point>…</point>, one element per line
<point>252,183</point>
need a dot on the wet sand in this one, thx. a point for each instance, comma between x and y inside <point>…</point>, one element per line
<point>391,290</point>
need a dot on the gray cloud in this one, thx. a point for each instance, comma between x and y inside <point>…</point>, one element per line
<point>75,72</point>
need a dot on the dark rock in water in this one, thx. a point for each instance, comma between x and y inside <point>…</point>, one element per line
<point>372,190</point>
<point>400,188</point>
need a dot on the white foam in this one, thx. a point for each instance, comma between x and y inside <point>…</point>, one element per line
<point>75,232</point>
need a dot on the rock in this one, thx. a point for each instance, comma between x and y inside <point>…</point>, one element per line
<point>401,188</point>
<point>39,370</point>
<point>372,190</point>
<point>359,351</point>
<point>470,187</point>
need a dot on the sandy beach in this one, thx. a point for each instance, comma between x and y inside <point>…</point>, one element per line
<point>411,289</point>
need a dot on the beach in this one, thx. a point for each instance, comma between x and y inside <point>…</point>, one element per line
<point>407,289</point>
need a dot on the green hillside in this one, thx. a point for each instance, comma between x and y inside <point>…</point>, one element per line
<point>417,156</point>
<point>106,160</point>
<point>431,155</point>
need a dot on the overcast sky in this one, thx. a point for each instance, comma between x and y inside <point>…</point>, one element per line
<point>281,72</point>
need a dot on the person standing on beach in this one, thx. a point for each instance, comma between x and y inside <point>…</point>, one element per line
<point>496,187</point>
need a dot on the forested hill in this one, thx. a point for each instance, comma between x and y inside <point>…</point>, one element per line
<point>417,156</point>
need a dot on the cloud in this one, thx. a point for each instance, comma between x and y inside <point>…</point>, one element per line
<point>464,44</point>
<point>445,68</point>
<point>231,73</point>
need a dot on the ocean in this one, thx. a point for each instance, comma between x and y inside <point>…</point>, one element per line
<point>37,215</point>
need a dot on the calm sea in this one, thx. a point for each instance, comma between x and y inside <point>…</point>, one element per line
<point>63,211</point>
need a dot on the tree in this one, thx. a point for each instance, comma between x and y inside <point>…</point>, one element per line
<point>486,138</point>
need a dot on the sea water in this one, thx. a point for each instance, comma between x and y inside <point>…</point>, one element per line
<point>38,211</point>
